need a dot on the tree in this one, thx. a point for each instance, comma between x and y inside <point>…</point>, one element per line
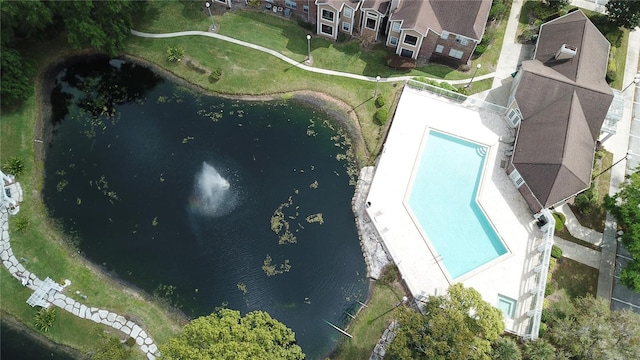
<point>590,330</point>
<point>458,325</point>
<point>625,207</point>
<point>15,75</point>
<point>505,348</point>
<point>226,335</point>
<point>558,4</point>
<point>103,25</point>
<point>110,347</point>
<point>624,13</point>
<point>539,350</point>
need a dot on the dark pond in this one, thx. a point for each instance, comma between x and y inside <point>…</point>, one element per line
<point>182,195</point>
<point>16,343</point>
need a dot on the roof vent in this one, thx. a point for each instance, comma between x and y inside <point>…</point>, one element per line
<point>566,52</point>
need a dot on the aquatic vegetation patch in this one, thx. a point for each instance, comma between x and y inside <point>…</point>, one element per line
<point>272,270</point>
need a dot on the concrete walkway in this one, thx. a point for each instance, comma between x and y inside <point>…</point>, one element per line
<point>298,64</point>
<point>578,253</point>
<point>576,229</point>
<point>57,298</point>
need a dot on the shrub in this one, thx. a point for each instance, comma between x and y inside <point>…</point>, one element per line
<point>13,166</point>
<point>44,318</point>
<point>254,3</point>
<point>215,75</point>
<point>505,348</point>
<point>174,54</point>
<point>379,101</point>
<point>399,62</point>
<point>381,116</point>
<point>306,25</point>
<point>560,220</point>
<point>447,86</point>
<point>498,10</point>
<point>21,223</point>
<point>556,252</point>
<point>583,203</point>
<point>389,275</point>
<point>479,50</point>
<point>342,37</point>
<point>550,288</point>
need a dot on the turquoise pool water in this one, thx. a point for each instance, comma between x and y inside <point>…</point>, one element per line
<point>443,201</point>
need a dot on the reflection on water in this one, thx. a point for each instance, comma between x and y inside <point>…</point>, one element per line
<point>175,192</point>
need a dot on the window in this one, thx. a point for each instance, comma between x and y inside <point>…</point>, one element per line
<point>370,24</point>
<point>327,15</point>
<point>347,12</point>
<point>462,40</point>
<point>290,4</point>
<point>410,40</point>
<point>507,305</point>
<point>393,40</point>
<point>444,35</point>
<point>326,29</point>
<point>456,53</point>
<point>406,53</point>
<point>516,178</point>
<point>395,26</point>
<point>514,117</point>
<point>305,8</point>
<point>439,49</point>
<point>346,26</point>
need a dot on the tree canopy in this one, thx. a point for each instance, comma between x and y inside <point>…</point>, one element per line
<point>458,325</point>
<point>590,330</point>
<point>624,13</point>
<point>226,335</point>
<point>102,25</point>
<point>625,207</point>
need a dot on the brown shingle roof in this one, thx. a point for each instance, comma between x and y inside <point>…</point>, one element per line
<point>563,105</point>
<point>337,4</point>
<point>380,6</point>
<point>463,17</point>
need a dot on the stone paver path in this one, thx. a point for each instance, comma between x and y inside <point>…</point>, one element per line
<point>65,302</point>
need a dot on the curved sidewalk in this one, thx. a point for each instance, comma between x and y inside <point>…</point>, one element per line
<point>298,64</point>
<point>53,295</point>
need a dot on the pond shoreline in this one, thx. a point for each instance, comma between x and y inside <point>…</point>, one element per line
<point>341,112</point>
<point>11,322</point>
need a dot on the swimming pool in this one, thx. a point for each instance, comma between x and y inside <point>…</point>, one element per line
<point>442,201</point>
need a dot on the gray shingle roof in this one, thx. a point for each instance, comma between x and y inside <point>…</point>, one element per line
<point>563,104</point>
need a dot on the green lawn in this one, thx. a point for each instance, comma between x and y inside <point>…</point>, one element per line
<point>288,38</point>
<point>370,323</point>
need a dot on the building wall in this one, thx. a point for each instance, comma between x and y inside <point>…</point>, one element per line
<point>367,33</point>
<point>448,42</point>
<point>324,24</point>
<point>408,47</point>
<point>429,44</point>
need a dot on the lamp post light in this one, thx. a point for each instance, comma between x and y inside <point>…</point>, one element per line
<point>375,92</point>
<point>636,79</point>
<point>213,26</point>
<point>626,156</point>
<point>474,75</point>
<point>308,48</point>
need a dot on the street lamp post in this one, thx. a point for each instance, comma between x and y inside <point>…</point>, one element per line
<point>308,48</point>
<point>636,79</point>
<point>213,26</point>
<point>626,156</point>
<point>375,92</point>
<point>474,75</point>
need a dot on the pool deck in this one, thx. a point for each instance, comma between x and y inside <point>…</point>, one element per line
<point>510,275</point>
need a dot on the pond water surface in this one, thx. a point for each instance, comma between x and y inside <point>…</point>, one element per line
<point>205,201</point>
